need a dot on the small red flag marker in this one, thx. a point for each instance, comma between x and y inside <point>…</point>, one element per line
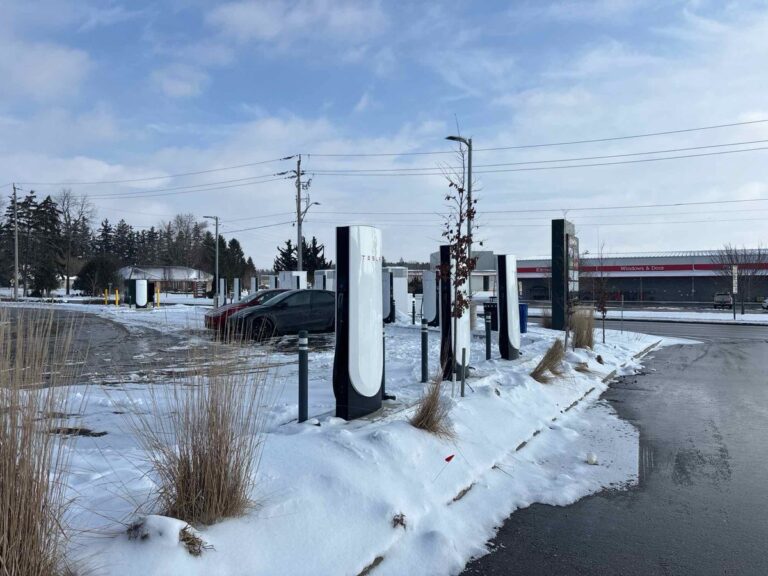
<point>447,461</point>
<point>449,458</point>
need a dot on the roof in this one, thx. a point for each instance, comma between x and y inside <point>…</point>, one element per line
<point>164,273</point>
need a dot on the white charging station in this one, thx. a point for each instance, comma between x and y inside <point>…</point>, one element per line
<point>463,330</point>
<point>399,286</point>
<point>236,290</point>
<point>509,308</point>
<point>430,298</point>
<point>293,279</point>
<point>358,364</point>
<point>141,294</point>
<point>325,280</point>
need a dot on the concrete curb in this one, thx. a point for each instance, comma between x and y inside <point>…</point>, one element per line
<point>683,321</point>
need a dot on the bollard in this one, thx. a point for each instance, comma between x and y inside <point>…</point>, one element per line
<point>106,297</point>
<point>413,311</point>
<point>487,337</point>
<point>303,375</point>
<point>424,344</point>
<point>463,369</point>
<point>384,395</point>
<point>117,297</point>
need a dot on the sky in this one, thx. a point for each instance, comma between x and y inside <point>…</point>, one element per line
<point>95,93</point>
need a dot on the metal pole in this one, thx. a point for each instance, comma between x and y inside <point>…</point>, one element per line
<point>463,369</point>
<point>413,310</point>
<point>487,336</point>
<point>299,243</point>
<point>424,345</point>
<point>303,375</point>
<point>622,313</point>
<point>15,245</point>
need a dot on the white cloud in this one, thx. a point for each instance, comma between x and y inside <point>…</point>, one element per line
<point>41,71</point>
<point>363,103</point>
<point>284,22</point>
<point>180,80</point>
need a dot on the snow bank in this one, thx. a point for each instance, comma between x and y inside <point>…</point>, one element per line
<point>329,490</point>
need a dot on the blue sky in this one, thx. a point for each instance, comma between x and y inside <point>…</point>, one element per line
<point>122,90</point>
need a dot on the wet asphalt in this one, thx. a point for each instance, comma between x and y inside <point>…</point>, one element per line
<point>701,505</point>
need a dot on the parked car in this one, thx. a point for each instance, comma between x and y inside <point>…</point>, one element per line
<point>765,304</point>
<point>723,300</point>
<point>216,319</point>
<point>287,313</point>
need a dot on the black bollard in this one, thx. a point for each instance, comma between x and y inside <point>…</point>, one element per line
<point>303,375</point>
<point>463,369</point>
<point>413,311</point>
<point>487,337</point>
<point>424,345</point>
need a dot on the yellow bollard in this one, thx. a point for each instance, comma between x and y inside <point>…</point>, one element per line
<point>106,297</point>
<point>117,297</point>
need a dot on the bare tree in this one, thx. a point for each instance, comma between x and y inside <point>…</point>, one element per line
<point>751,263</point>
<point>76,215</point>
<point>460,242</point>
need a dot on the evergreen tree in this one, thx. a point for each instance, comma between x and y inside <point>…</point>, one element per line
<point>47,253</point>
<point>123,246</point>
<point>105,238</point>
<point>235,260</point>
<point>314,257</point>
<point>286,257</point>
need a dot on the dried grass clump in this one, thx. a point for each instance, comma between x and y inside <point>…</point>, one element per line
<point>583,328</point>
<point>35,375</point>
<point>432,412</point>
<point>550,364</point>
<point>204,436</point>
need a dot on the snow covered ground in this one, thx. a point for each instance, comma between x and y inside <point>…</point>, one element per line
<point>328,489</point>
<point>710,316</point>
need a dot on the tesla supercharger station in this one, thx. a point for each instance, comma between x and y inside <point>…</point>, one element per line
<point>324,280</point>
<point>293,280</point>
<point>358,364</point>
<point>140,295</point>
<point>254,285</point>
<point>222,292</point>
<point>388,309</point>
<point>509,308</point>
<point>399,286</point>
<point>463,331</point>
<point>430,297</point>
<point>236,290</point>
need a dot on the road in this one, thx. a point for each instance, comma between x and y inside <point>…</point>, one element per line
<point>701,506</point>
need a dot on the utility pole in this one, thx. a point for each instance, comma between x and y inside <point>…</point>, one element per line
<point>216,285</point>
<point>15,245</point>
<point>299,243</point>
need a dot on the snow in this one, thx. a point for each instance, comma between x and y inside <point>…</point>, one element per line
<point>328,490</point>
<point>677,315</point>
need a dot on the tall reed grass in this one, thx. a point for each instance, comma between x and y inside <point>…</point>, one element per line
<point>36,372</point>
<point>204,433</point>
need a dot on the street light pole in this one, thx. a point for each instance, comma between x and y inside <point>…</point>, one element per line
<point>216,286</point>
<point>15,245</point>
<point>468,143</point>
<point>299,243</point>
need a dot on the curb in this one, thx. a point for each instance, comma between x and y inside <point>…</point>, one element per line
<point>682,321</point>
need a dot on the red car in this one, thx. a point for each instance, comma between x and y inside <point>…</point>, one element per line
<point>216,319</point>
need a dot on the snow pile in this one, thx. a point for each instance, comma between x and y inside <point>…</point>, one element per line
<point>337,497</point>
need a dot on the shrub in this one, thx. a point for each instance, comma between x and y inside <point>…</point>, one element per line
<point>583,328</point>
<point>432,411</point>
<point>35,375</point>
<point>546,318</point>
<point>97,274</point>
<point>550,363</point>
<point>203,436</point>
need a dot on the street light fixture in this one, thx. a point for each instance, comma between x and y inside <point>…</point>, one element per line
<point>216,285</point>
<point>468,143</point>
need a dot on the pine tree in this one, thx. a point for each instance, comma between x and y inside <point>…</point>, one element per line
<point>286,257</point>
<point>47,254</point>
<point>104,241</point>
<point>123,246</point>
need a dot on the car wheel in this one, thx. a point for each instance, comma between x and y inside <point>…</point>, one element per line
<point>263,330</point>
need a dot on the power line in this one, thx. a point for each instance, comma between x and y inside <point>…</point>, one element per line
<point>151,194</point>
<point>151,178</point>
<point>259,227</point>
<point>547,144</point>
<point>578,159</point>
<point>538,168</point>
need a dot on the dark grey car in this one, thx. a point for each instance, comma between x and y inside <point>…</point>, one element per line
<point>287,313</point>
